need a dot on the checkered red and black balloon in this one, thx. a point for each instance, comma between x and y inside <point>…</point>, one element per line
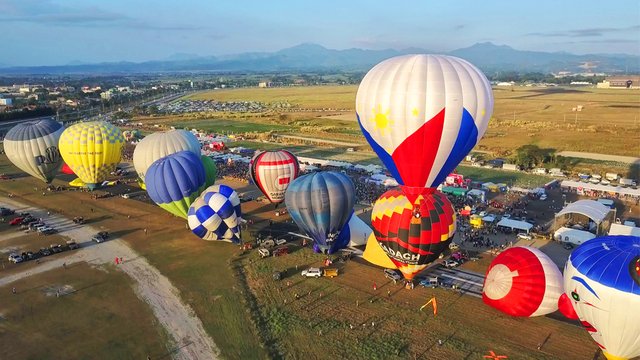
<point>413,234</point>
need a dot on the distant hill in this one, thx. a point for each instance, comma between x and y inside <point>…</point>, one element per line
<point>308,57</point>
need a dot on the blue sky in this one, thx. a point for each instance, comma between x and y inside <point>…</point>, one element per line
<point>51,32</point>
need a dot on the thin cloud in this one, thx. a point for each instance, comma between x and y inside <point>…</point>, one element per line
<point>588,32</point>
<point>47,13</point>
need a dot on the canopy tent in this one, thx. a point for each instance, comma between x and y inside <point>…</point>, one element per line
<point>619,229</point>
<point>455,191</point>
<point>599,187</point>
<point>477,193</point>
<point>590,208</point>
<point>572,235</point>
<point>489,218</point>
<point>515,224</point>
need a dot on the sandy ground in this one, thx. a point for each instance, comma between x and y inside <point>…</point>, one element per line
<point>190,339</point>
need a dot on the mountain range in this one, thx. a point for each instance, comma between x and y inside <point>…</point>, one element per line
<point>312,57</point>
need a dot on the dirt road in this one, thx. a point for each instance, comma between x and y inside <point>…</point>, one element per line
<point>190,339</point>
<point>603,157</point>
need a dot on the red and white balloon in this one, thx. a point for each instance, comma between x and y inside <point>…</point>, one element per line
<point>523,281</point>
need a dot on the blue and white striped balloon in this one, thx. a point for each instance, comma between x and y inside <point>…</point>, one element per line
<point>216,215</point>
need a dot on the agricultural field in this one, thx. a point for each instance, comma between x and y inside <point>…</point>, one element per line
<point>607,123</point>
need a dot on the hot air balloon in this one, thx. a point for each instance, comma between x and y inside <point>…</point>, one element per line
<point>321,204</point>
<point>160,144</point>
<point>175,181</point>
<point>216,214</point>
<point>210,169</point>
<point>523,281</point>
<point>602,278</point>
<point>92,150</point>
<point>422,114</point>
<point>273,171</point>
<point>66,169</point>
<point>33,148</point>
<point>413,234</point>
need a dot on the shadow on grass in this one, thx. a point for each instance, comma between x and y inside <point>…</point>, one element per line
<point>174,351</point>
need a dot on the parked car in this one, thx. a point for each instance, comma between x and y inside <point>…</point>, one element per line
<point>264,252</point>
<point>431,282</point>
<point>28,255</point>
<point>45,252</point>
<point>103,234</point>
<point>269,243</point>
<point>72,245</point>
<point>392,274</point>
<point>6,211</point>
<point>281,251</point>
<point>56,248</point>
<point>47,230</point>
<point>78,220</point>
<point>524,236</point>
<point>98,239</point>
<point>16,221</point>
<point>450,263</point>
<point>15,258</point>
<point>312,272</point>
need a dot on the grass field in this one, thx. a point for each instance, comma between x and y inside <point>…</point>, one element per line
<point>318,324</point>
<point>608,123</point>
<point>96,316</point>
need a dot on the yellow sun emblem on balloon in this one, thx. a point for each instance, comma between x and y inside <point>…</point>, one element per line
<point>381,120</point>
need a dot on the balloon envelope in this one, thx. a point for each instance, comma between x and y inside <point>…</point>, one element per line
<point>33,148</point>
<point>602,279</point>
<point>321,203</point>
<point>160,144</point>
<point>355,232</point>
<point>413,234</point>
<point>216,214</point>
<point>175,181</point>
<point>422,114</point>
<point>273,171</point>
<point>523,281</point>
<point>92,150</point>
<point>210,169</point>
<point>66,169</point>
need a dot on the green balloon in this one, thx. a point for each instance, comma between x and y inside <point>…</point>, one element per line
<point>210,170</point>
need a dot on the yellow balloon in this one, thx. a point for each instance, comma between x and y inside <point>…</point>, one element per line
<point>92,150</point>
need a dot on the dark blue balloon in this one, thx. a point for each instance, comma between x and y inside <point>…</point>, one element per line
<point>175,181</point>
<point>321,204</point>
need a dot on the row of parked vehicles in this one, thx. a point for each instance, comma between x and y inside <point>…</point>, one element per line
<point>30,223</point>
<point>33,255</point>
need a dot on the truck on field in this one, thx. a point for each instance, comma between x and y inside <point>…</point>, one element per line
<point>627,182</point>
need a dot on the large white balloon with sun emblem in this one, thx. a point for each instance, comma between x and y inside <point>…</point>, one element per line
<point>422,114</point>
